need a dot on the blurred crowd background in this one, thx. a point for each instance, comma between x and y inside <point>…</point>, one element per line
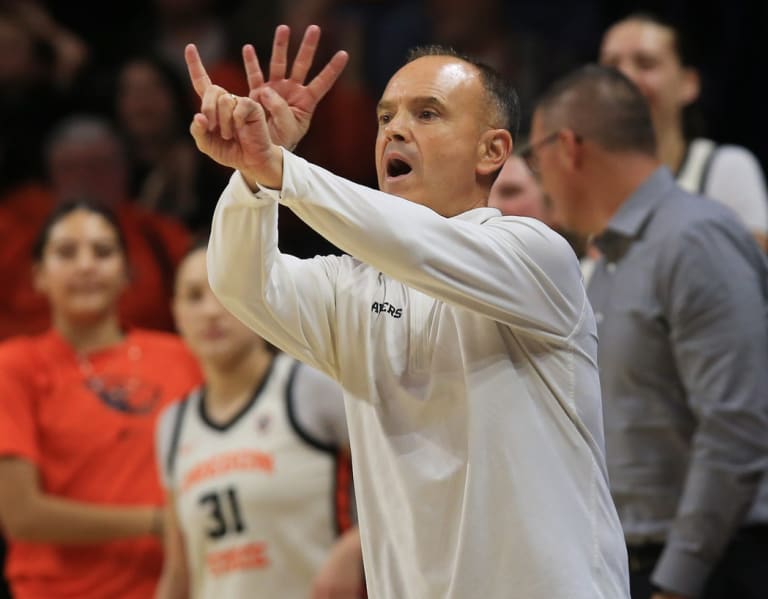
<point>95,102</point>
<point>123,61</point>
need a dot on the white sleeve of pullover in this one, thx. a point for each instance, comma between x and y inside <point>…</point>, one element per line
<point>513,270</point>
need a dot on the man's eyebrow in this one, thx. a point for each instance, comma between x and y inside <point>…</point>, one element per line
<point>417,100</point>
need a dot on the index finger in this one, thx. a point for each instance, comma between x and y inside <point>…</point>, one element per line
<point>197,73</point>
<point>252,69</point>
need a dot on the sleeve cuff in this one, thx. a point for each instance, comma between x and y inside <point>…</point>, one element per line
<point>243,193</point>
<point>681,573</point>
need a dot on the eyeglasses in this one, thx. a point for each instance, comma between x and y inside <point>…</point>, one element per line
<point>529,152</point>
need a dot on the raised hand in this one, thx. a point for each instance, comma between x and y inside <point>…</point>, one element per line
<point>233,130</point>
<point>290,103</point>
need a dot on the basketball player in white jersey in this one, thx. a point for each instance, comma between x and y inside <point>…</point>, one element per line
<point>256,467</point>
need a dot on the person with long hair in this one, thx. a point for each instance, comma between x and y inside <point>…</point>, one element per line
<point>657,56</point>
<point>80,502</point>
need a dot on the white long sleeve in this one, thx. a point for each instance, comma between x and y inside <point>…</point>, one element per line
<point>467,353</point>
<point>521,275</point>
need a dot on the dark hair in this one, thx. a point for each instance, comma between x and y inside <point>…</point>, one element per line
<point>600,104</point>
<point>65,209</point>
<point>686,50</point>
<point>689,55</point>
<point>501,94</point>
<point>176,85</point>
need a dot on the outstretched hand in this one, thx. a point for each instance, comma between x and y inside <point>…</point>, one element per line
<point>232,129</point>
<point>290,103</point>
<point>244,132</point>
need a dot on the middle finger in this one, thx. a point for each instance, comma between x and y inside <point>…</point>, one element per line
<point>279,63</point>
<point>209,105</point>
<point>226,106</point>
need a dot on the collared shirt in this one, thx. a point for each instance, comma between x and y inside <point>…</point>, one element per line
<point>466,348</point>
<point>680,300</point>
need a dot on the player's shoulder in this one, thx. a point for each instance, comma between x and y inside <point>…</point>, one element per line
<point>732,155</point>
<point>21,352</point>
<point>172,411</point>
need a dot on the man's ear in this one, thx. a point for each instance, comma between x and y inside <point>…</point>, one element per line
<point>691,85</point>
<point>494,149</point>
<point>569,149</point>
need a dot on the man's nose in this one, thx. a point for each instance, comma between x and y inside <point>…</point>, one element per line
<point>397,128</point>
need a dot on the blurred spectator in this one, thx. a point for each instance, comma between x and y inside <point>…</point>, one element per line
<point>168,173</point>
<point>79,493</point>
<point>680,298</point>
<point>517,193</point>
<point>291,526</point>
<point>85,160</point>
<point>657,57</point>
<point>38,60</point>
<point>180,22</point>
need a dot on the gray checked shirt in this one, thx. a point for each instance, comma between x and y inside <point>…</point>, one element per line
<point>681,301</point>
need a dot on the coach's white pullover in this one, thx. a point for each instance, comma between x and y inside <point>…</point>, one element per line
<point>466,348</point>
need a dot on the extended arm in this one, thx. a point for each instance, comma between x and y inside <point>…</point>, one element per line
<point>29,514</point>
<point>516,271</point>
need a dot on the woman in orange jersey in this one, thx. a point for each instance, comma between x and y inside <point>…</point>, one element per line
<point>78,404</point>
<point>256,467</point>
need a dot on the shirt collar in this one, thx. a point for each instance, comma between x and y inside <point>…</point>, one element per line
<point>478,215</point>
<point>635,211</point>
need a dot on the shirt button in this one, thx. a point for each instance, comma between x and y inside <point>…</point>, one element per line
<point>611,267</point>
<point>599,317</point>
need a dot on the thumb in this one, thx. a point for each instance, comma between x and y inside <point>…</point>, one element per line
<point>250,122</point>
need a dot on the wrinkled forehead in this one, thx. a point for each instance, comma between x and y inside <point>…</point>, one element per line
<point>440,76</point>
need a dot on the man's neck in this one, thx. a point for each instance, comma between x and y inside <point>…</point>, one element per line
<point>622,175</point>
<point>671,145</point>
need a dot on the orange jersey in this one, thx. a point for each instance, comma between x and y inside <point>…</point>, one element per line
<point>155,243</point>
<point>88,426</point>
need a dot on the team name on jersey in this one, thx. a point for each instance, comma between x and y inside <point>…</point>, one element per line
<point>227,462</point>
<point>386,308</point>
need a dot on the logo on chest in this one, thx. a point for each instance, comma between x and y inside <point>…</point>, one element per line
<point>386,308</point>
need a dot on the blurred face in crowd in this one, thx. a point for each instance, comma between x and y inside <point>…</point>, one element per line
<point>83,268</point>
<point>647,54</point>
<point>517,193</point>
<point>145,103</point>
<point>215,336</point>
<point>433,134</point>
<point>93,168</point>
<point>17,54</point>
<point>567,208</point>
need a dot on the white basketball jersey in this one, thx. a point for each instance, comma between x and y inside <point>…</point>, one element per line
<point>257,499</point>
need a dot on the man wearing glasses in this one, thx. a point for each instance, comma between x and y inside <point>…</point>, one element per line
<point>680,298</point>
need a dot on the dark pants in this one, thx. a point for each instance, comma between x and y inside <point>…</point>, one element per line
<point>741,573</point>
